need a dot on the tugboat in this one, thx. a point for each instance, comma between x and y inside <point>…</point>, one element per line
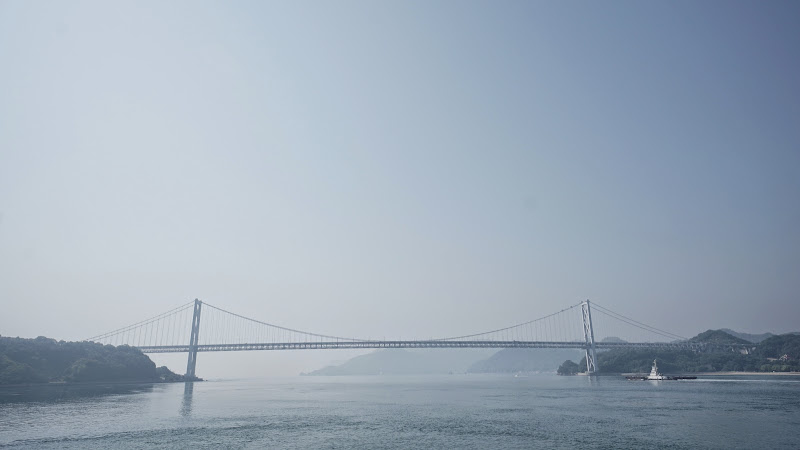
<point>656,376</point>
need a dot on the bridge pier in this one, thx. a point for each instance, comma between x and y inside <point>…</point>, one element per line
<point>588,336</point>
<point>193,339</point>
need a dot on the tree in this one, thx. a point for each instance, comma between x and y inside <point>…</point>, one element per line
<point>568,368</point>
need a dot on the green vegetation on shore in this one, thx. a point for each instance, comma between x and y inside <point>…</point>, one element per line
<point>43,360</point>
<point>568,368</point>
<point>774,354</point>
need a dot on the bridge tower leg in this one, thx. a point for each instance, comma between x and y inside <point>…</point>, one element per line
<point>588,336</point>
<point>193,339</point>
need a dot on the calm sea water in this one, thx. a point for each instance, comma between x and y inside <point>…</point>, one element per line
<point>456,411</point>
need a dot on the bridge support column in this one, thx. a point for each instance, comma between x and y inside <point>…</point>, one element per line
<point>588,336</point>
<point>193,339</point>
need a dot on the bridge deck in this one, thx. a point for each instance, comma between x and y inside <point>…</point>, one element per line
<point>414,344</point>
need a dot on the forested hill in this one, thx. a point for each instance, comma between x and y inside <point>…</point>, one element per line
<point>718,337</point>
<point>43,360</point>
<point>779,353</point>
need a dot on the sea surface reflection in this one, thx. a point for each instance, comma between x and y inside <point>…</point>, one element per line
<point>186,406</point>
<point>60,392</point>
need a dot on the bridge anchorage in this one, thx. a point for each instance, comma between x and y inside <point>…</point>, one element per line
<point>572,327</point>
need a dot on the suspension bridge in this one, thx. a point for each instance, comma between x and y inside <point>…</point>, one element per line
<point>572,327</point>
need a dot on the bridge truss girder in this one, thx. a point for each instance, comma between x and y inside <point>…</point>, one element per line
<point>329,345</point>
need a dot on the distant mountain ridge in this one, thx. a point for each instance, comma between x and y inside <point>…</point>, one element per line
<point>754,338</point>
<point>512,360</point>
<point>406,362</point>
<point>442,361</point>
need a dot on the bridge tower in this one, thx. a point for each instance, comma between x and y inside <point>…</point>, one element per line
<point>588,336</point>
<point>193,338</point>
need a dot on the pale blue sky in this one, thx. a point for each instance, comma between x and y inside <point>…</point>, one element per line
<point>399,169</point>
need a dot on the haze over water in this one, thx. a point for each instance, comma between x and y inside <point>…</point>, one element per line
<point>397,170</point>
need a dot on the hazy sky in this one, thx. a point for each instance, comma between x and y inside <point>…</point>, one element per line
<point>398,169</point>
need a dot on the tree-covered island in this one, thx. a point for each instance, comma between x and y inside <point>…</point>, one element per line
<point>779,353</point>
<point>43,360</point>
